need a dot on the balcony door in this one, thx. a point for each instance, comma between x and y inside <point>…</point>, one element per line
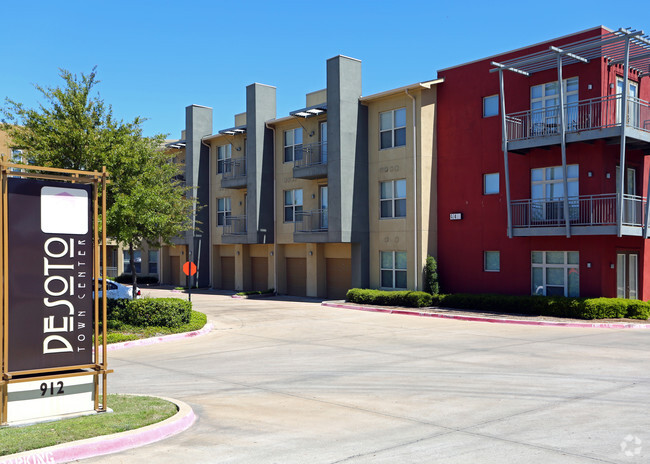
<point>323,142</point>
<point>627,275</point>
<point>632,207</point>
<point>633,102</point>
<point>323,206</point>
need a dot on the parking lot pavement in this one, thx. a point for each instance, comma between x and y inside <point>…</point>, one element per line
<point>282,381</point>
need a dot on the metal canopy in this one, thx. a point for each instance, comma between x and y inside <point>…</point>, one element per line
<point>178,144</point>
<point>610,46</point>
<point>310,111</point>
<point>234,130</point>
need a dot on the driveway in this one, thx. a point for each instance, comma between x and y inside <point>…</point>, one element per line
<point>294,382</point>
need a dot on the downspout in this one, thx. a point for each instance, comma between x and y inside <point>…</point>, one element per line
<point>415,194</point>
<point>211,257</point>
<point>275,231</point>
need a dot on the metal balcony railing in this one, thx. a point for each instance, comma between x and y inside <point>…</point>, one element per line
<point>311,155</point>
<point>584,210</point>
<point>234,168</point>
<point>311,221</point>
<point>235,225</point>
<point>596,113</point>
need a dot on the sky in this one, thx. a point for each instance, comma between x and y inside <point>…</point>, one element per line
<point>154,58</point>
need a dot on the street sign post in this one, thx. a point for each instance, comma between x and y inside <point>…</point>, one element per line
<point>189,269</point>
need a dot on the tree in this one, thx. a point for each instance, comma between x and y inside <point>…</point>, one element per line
<point>431,284</point>
<point>75,129</point>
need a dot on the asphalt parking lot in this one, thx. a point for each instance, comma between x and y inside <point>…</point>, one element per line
<point>281,381</point>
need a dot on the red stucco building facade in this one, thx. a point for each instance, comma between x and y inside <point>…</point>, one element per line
<point>552,213</point>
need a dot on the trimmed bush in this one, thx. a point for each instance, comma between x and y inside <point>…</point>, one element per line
<point>431,276</point>
<point>387,298</point>
<point>575,308</point>
<point>115,308</point>
<point>257,292</point>
<point>163,312</point>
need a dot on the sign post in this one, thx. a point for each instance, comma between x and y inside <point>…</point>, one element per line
<point>189,269</point>
<point>49,268</point>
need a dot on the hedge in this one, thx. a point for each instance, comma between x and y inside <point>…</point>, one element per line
<point>150,312</point>
<point>143,280</point>
<point>576,308</point>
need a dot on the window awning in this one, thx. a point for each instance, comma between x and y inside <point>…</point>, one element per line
<point>310,111</point>
<point>234,130</point>
<point>176,144</point>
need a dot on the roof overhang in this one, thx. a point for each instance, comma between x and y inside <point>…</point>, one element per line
<point>610,46</point>
<point>233,130</point>
<point>176,144</point>
<point>388,93</point>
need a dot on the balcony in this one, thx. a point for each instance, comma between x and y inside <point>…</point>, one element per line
<point>597,118</point>
<point>234,174</point>
<point>311,161</point>
<point>588,215</point>
<point>235,230</point>
<point>311,226</point>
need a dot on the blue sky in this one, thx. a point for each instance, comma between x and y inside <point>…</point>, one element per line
<point>156,57</point>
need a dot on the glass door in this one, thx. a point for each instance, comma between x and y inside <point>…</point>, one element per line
<point>633,102</point>
<point>323,207</point>
<point>627,275</point>
<point>323,142</point>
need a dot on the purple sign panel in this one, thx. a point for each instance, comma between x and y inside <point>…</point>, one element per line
<point>50,274</point>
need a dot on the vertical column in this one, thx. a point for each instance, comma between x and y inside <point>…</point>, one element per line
<point>565,185</point>
<point>504,137</point>
<point>626,69</point>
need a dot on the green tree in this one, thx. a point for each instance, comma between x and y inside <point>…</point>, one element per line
<point>75,129</point>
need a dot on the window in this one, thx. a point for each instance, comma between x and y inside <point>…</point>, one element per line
<point>492,261</point>
<point>627,275</point>
<point>137,257</point>
<point>392,128</point>
<point>224,152</point>
<point>393,269</point>
<point>547,189</point>
<point>223,211</point>
<point>393,199</point>
<point>292,205</point>
<point>490,106</point>
<point>292,145</point>
<point>153,262</point>
<point>555,273</point>
<point>544,103</point>
<point>490,183</point>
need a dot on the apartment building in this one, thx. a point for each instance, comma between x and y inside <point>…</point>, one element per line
<point>542,169</point>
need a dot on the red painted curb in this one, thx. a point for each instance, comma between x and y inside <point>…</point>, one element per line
<point>108,444</point>
<point>163,339</point>
<point>592,325</point>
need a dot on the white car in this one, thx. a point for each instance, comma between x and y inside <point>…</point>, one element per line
<point>117,291</point>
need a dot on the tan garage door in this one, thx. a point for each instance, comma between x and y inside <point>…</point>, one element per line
<point>339,276</point>
<point>174,264</point>
<point>296,276</point>
<point>228,272</point>
<point>259,273</point>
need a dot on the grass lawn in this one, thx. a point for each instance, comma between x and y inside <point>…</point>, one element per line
<point>119,332</point>
<point>130,412</point>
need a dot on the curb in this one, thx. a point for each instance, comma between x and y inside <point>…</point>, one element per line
<point>495,320</point>
<point>162,339</point>
<point>107,444</point>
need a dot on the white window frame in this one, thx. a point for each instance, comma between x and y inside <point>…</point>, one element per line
<point>545,117</point>
<point>485,261</point>
<point>392,129</point>
<point>487,99</point>
<point>224,152</point>
<point>392,199</point>
<point>551,208</point>
<point>224,211</point>
<point>393,269</point>
<point>293,205</point>
<point>544,265</point>
<point>295,149</point>
<point>485,183</point>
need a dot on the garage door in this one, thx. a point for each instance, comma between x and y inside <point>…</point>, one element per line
<point>339,277</point>
<point>259,273</point>
<point>296,276</point>
<point>228,272</point>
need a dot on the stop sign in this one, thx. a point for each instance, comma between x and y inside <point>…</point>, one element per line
<point>189,268</point>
